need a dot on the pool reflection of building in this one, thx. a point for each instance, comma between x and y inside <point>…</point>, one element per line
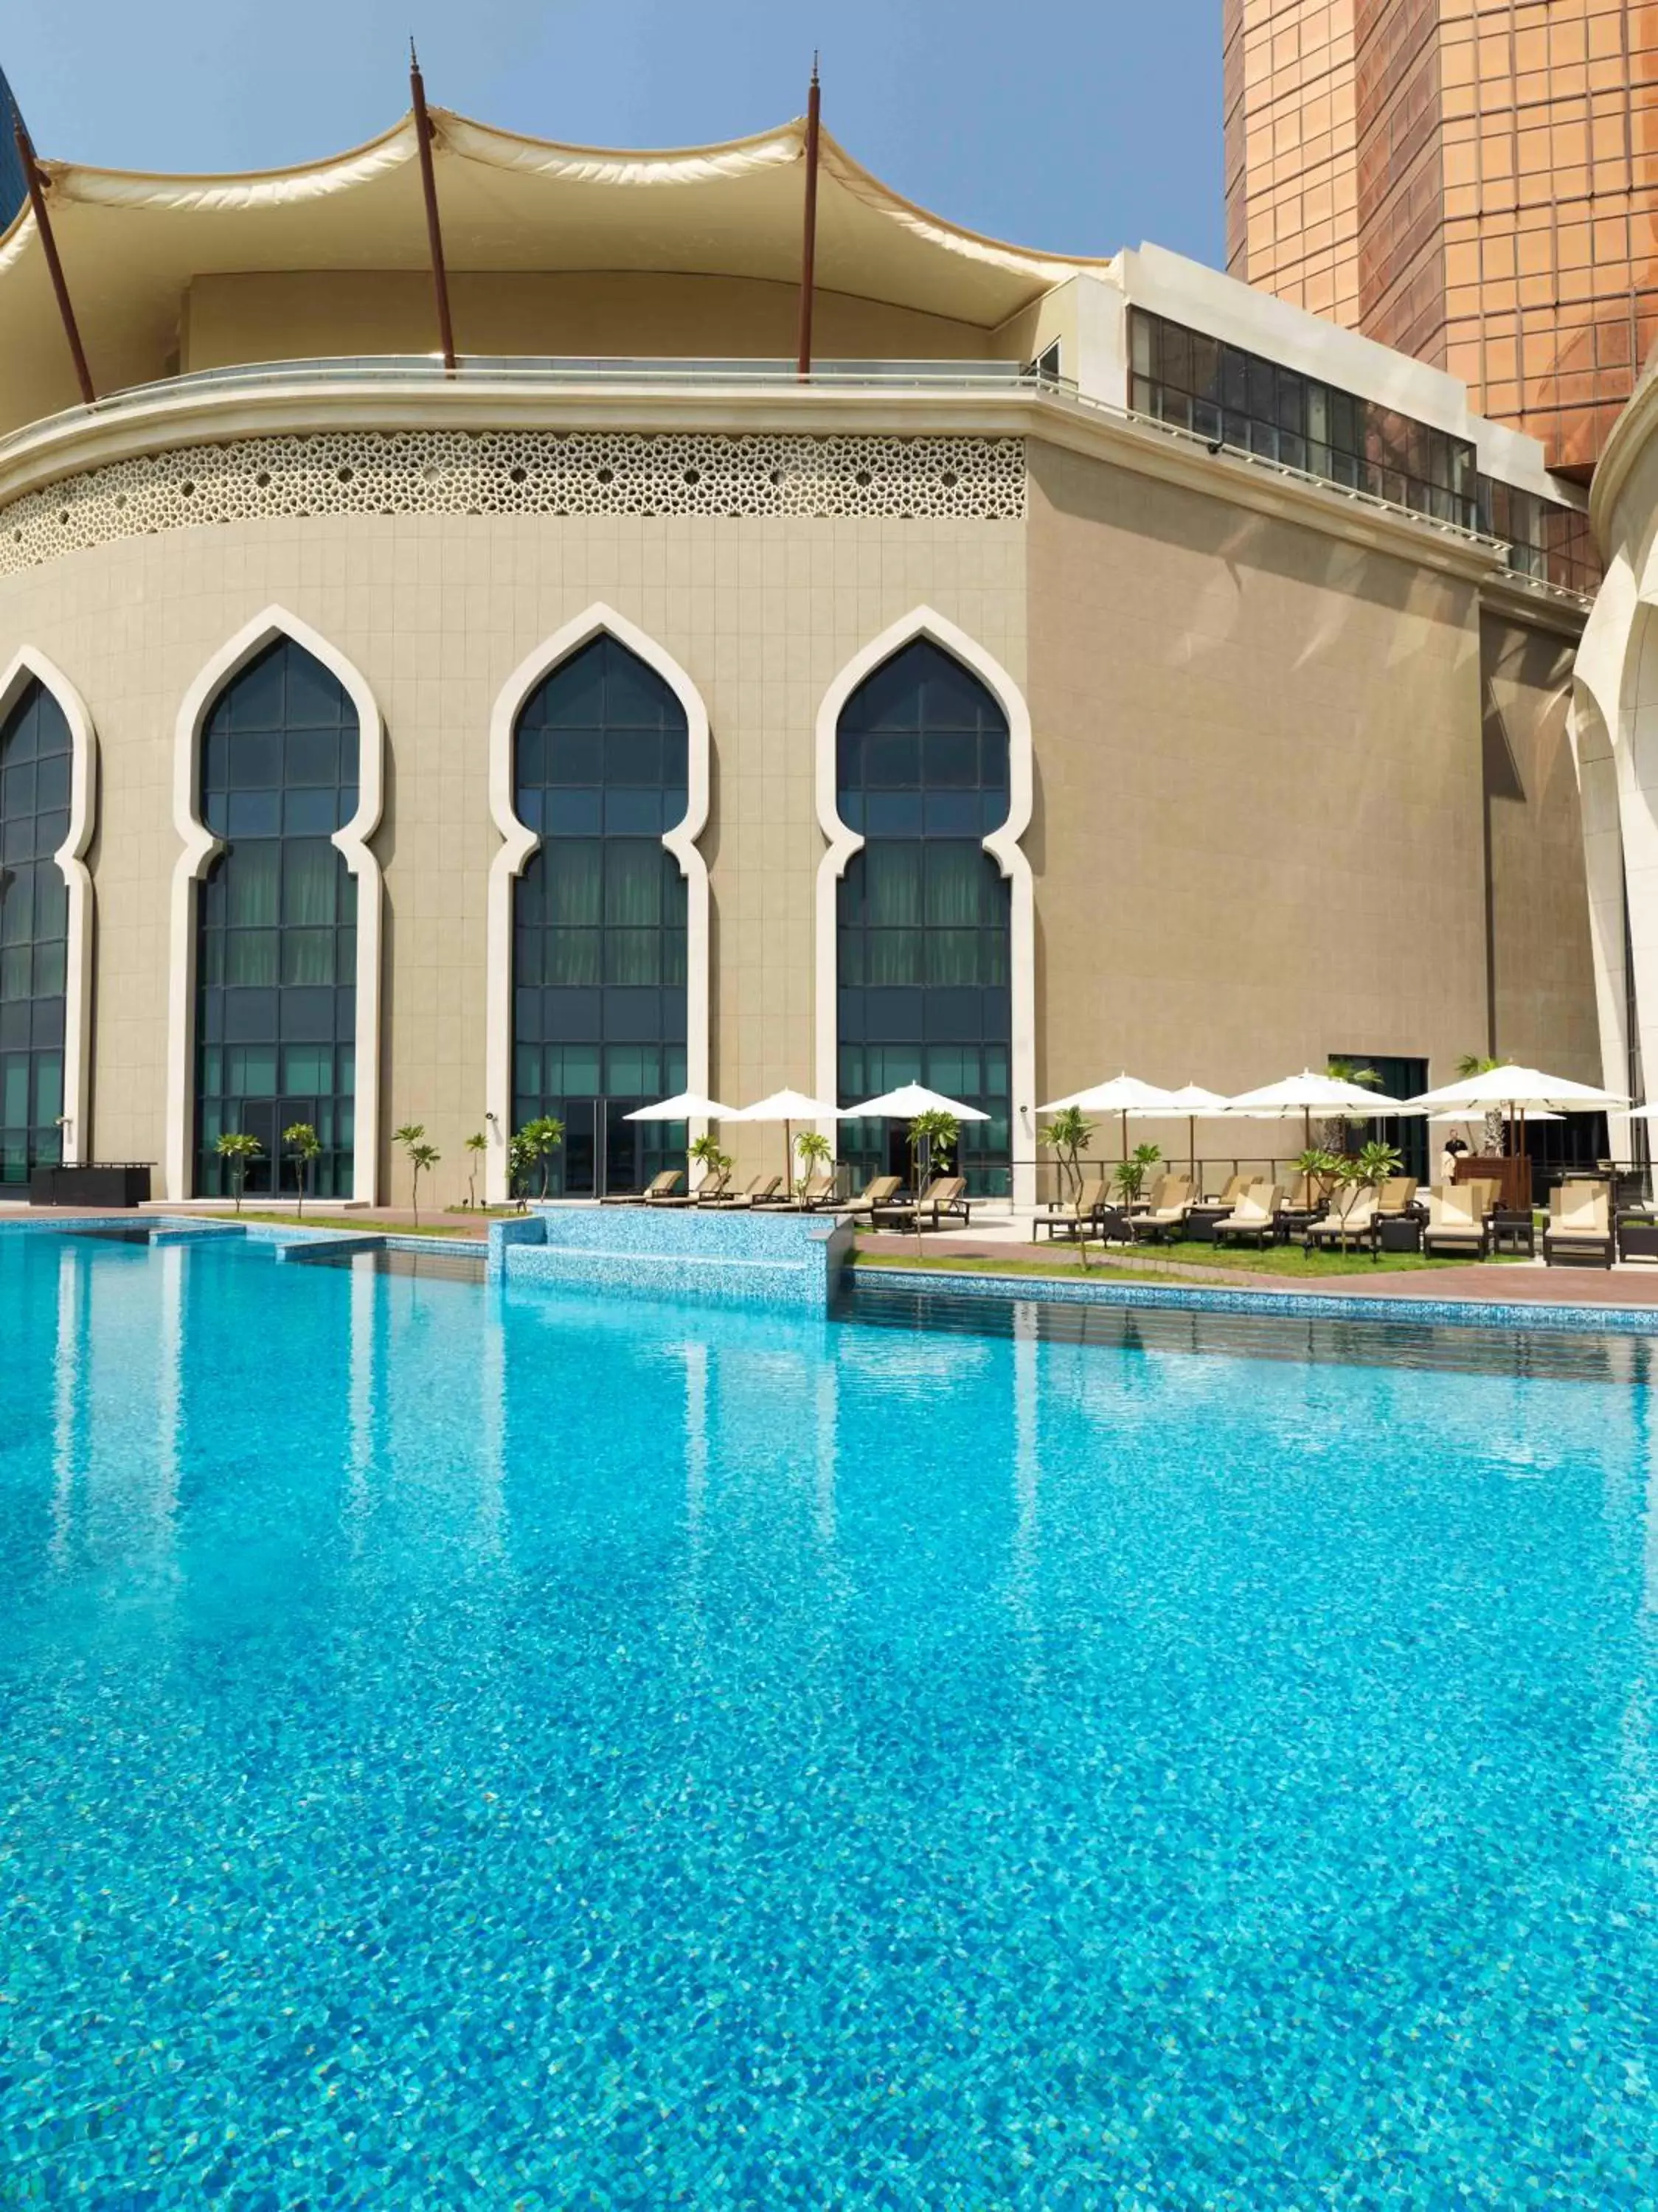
<point>1033,687</point>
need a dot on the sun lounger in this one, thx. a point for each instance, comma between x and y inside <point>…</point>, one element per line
<point>759,1190</point>
<point>880,1190</point>
<point>712,1186</point>
<point>658,1188</point>
<point>1231,1191</point>
<point>1077,1214</point>
<point>944,1198</point>
<point>1171,1202</point>
<point>1255,1217</point>
<point>1580,1225</point>
<point>1351,1211</point>
<point>1457,1218</point>
<point>1397,1195</point>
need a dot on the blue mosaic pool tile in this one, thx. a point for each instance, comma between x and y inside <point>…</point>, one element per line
<point>742,1255</point>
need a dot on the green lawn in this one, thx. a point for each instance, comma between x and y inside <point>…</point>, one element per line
<point>1285,1259</point>
<point>1292,1260</point>
<point>942,1264</point>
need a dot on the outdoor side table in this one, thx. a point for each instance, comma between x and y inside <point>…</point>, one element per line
<point>1396,1232</point>
<point>1200,1223</point>
<point>1637,1236</point>
<point>1513,1229</point>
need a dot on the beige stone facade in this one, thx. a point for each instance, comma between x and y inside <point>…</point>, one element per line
<point>1260,757</point>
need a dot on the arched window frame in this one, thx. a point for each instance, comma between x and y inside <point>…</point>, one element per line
<point>26,667</point>
<point>1003,844</point>
<point>200,847</point>
<point>519,842</point>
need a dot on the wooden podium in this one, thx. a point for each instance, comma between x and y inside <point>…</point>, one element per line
<point>1511,1173</point>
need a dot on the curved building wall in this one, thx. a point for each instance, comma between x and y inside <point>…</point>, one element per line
<point>1257,828</point>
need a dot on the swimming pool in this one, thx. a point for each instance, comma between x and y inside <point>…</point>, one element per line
<point>462,1746</point>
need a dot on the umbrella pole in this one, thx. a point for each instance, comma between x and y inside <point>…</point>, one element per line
<point>788,1159</point>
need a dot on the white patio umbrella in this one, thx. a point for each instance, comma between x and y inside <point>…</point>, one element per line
<point>1123,1095</point>
<point>1196,1104</point>
<point>1312,1092</point>
<point>1517,1090</point>
<point>684,1106</point>
<point>906,1102</point>
<point>788,1107</point>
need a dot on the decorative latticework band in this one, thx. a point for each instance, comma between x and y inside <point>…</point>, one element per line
<point>516,473</point>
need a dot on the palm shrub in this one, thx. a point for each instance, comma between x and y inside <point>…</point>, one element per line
<point>1131,1176</point>
<point>1065,1136</point>
<point>476,1145</point>
<point>409,1136</point>
<point>304,1147</point>
<point>236,1148</point>
<point>423,1158</point>
<point>1346,1071</point>
<point>714,1162</point>
<point>1494,1136</point>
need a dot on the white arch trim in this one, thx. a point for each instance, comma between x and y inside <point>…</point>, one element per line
<point>519,843</point>
<point>1003,844</point>
<point>199,845</point>
<point>29,667</point>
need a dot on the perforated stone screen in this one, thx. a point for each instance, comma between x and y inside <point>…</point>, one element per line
<point>516,473</point>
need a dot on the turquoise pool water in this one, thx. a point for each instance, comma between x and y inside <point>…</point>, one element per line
<point>461,1749</point>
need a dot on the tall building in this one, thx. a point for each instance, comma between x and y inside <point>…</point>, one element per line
<point>1470,181</point>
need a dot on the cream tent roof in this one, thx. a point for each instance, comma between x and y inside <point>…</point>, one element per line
<point>131,243</point>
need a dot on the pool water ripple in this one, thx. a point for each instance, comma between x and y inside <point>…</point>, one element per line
<point>462,1747</point>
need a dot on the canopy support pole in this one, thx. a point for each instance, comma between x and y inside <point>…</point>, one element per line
<point>809,238</point>
<point>423,135</point>
<point>32,176</point>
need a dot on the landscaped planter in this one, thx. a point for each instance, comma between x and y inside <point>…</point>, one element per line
<point>123,1184</point>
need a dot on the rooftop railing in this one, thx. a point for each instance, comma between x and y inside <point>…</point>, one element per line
<point>748,374</point>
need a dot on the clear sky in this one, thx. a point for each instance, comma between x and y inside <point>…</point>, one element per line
<point>1078,126</point>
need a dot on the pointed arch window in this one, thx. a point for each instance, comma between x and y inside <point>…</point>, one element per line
<point>36,757</point>
<point>600,771</point>
<point>923,911</point>
<point>276,920</point>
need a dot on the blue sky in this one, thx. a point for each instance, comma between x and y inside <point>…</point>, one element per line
<point>1079,125</point>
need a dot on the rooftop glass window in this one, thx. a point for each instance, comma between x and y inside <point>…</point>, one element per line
<point>1222,393</point>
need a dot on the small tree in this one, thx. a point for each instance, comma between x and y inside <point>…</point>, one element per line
<point>1065,1136</point>
<point>305,1146</point>
<point>409,1136</point>
<point>237,1149</point>
<point>521,1156</point>
<point>1323,1170</point>
<point>538,1139</point>
<point>1132,1174</point>
<point>816,1153</point>
<point>1494,1137</point>
<point>478,1143</point>
<point>707,1150</point>
<point>1373,1163</point>
<point>423,1158</point>
<point>933,1138</point>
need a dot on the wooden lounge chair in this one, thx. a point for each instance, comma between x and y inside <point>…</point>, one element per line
<point>943,1200</point>
<point>1457,1220</point>
<point>1579,1228</point>
<point>1352,1210</point>
<point>818,1190</point>
<point>658,1188</point>
<point>1254,1217</point>
<point>1171,1202</point>
<point>1397,1195</point>
<point>1077,1214</point>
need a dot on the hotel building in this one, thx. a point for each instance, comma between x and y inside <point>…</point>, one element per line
<point>1088,663</point>
<point>1471,183</point>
